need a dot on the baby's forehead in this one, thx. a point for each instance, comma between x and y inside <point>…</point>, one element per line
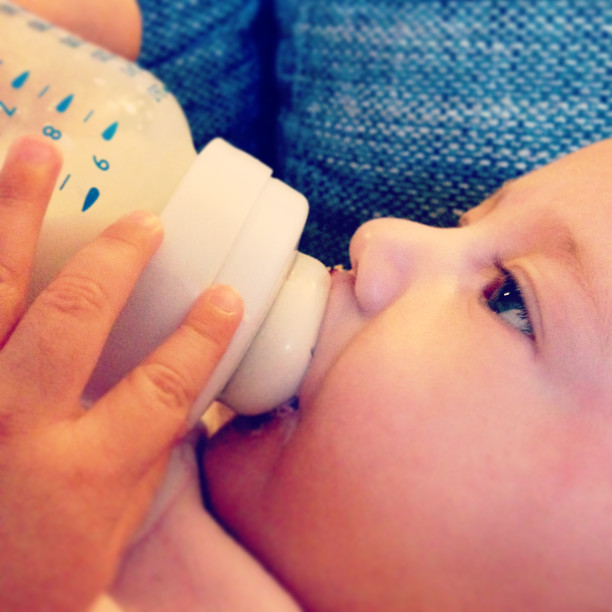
<point>577,187</point>
<point>567,204</point>
<point>576,190</point>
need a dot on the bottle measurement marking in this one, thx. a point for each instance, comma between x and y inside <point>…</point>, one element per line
<point>65,181</point>
<point>9,9</point>
<point>63,106</point>
<point>71,41</point>
<point>19,82</point>
<point>110,131</point>
<point>90,199</point>
<point>101,163</point>
<point>9,111</point>
<point>93,195</point>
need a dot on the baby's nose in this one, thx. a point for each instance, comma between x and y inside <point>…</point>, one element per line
<point>386,254</point>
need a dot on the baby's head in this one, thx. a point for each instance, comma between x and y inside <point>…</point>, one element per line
<point>453,445</point>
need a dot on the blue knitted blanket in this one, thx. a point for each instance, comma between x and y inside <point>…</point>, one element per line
<point>414,108</point>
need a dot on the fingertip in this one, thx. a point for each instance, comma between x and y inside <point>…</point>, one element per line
<point>28,177</point>
<point>223,300</point>
<point>30,170</point>
<point>138,228</point>
<point>143,219</point>
<point>215,317</point>
<point>33,150</point>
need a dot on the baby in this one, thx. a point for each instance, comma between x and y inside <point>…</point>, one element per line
<point>453,445</point>
<point>451,449</point>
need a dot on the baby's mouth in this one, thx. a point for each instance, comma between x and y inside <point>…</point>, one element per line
<point>220,416</point>
<point>255,424</point>
<point>343,320</point>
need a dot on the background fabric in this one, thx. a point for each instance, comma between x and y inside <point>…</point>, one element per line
<point>411,108</point>
<point>206,53</point>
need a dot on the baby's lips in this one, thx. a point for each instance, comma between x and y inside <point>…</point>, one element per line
<point>342,321</point>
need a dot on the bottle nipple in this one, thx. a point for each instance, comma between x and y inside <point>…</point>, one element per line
<point>272,369</point>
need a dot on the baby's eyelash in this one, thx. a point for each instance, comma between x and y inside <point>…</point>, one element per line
<point>505,298</point>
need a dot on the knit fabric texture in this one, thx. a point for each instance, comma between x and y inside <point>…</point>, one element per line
<point>413,108</point>
<point>206,53</point>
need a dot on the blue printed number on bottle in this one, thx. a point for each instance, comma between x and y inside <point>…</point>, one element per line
<point>101,163</point>
<point>51,132</point>
<point>9,111</point>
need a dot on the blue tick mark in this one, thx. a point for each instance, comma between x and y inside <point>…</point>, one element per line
<point>110,131</point>
<point>19,81</point>
<point>62,107</point>
<point>90,199</point>
<point>64,182</point>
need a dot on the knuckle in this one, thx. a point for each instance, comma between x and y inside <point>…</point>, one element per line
<point>15,408</point>
<point>11,287</point>
<point>167,386</point>
<point>209,338</point>
<point>12,301</point>
<point>122,241</point>
<point>75,295</point>
<point>10,198</point>
<point>8,276</point>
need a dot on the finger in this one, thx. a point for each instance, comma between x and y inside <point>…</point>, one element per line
<point>26,183</point>
<point>140,418</point>
<point>57,343</point>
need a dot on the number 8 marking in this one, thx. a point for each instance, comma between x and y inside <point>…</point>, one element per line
<point>51,132</point>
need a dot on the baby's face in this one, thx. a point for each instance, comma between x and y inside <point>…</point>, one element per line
<point>453,445</point>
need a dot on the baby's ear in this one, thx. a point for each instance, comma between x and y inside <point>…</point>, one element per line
<point>115,25</point>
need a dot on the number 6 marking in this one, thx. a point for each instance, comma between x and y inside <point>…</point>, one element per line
<point>101,163</point>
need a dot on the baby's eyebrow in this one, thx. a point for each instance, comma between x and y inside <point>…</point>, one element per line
<point>557,240</point>
<point>561,244</point>
<point>487,205</point>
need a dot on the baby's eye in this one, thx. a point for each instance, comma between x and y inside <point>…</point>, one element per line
<point>506,299</point>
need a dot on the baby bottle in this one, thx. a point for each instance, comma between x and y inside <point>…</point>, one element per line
<point>126,145</point>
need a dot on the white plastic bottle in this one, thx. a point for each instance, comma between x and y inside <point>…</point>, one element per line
<point>126,145</point>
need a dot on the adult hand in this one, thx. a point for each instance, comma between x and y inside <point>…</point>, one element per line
<point>75,483</point>
<point>115,25</point>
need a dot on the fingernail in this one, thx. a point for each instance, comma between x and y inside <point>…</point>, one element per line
<point>144,218</point>
<point>225,299</point>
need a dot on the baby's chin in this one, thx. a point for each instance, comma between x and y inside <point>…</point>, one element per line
<point>240,456</point>
<point>237,462</point>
